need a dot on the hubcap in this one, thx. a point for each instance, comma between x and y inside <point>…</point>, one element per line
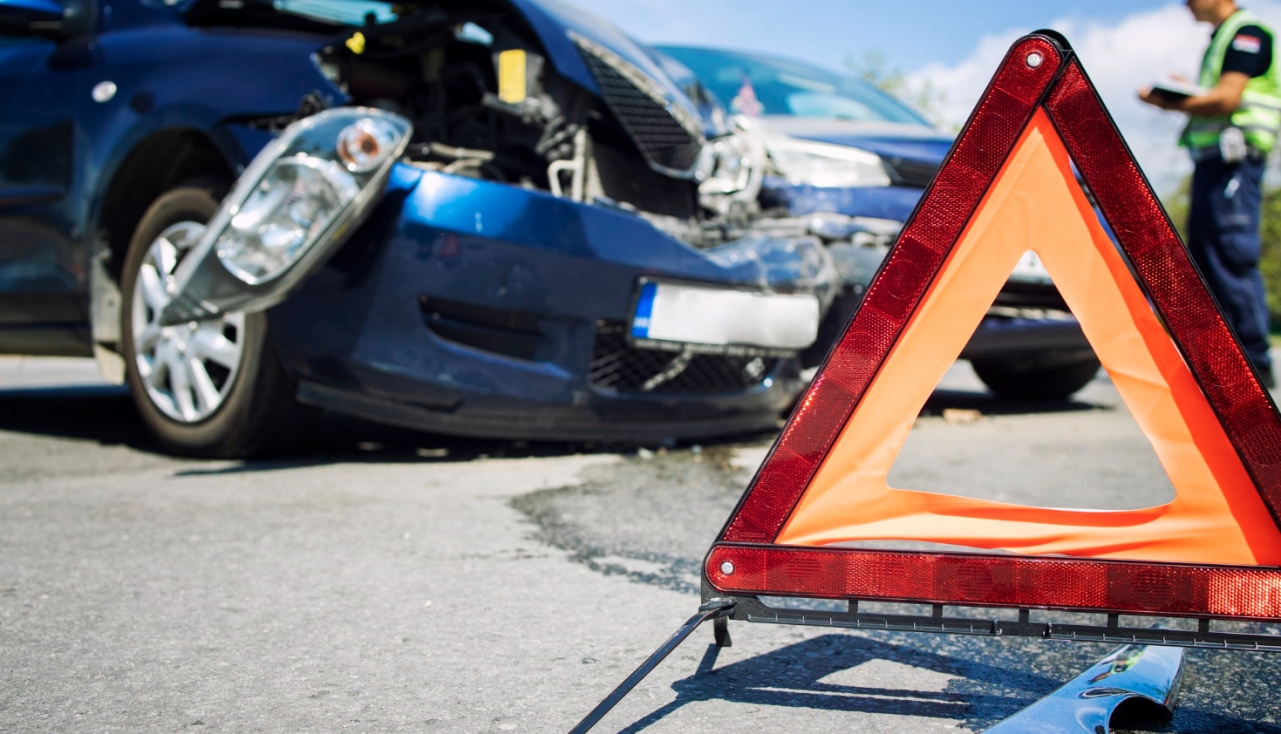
<point>187,369</point>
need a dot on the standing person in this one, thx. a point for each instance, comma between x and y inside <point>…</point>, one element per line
<point>1232,126</point>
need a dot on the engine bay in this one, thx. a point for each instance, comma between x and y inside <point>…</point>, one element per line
<point>486,103</point>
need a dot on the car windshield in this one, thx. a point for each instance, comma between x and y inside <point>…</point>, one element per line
<point>335,12</point>
<point>345,12</point>
<point>765,85</point>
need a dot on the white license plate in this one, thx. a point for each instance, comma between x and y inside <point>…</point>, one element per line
<point>671,312</point>
<point>1030,269</point>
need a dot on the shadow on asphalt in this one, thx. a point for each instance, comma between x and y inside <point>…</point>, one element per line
<point>979,695</point>
<point>101,413</point>
<point>105,414</point>
<point>793,676</point>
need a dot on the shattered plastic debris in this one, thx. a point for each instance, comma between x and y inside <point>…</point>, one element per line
<point>961,416</point>
<point>803,264</point>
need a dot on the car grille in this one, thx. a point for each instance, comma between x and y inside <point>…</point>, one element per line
<point>616,365</point>
<point>915,174</point>
<point>667,135</point>
<point>626,178</point>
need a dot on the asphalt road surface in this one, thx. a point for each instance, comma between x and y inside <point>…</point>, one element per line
<point>393,581</point>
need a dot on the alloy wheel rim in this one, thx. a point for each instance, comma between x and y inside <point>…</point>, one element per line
<point>187,369</point>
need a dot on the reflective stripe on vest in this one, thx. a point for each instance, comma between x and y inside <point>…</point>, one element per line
<point>1259,113</point>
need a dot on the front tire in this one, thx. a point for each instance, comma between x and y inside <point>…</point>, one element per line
<point>1036,379</point>
<point>210,388</point>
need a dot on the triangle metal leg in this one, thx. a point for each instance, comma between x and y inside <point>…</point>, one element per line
<point>711,610</point>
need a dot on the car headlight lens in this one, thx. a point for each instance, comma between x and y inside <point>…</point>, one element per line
<point>297,200</point>
<point>305,188</point>
<point>820,164</point>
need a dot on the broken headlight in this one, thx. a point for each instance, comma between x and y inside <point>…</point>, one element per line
<point>305,192</point>
<point>726,165</point>
<point>731,168</point>
<point>295,202</point>
<point>820,164</point>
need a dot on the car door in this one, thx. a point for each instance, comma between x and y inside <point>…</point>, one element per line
<point>42,268</point>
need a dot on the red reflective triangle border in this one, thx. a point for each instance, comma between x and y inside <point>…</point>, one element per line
<point>1165,272</point>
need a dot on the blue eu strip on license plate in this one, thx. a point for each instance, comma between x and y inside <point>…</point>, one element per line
<point>644,308</point>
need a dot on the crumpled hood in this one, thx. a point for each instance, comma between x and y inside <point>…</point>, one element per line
<point>553,22</point>
<point>888,140</point>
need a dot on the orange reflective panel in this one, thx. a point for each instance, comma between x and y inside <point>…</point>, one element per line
<point>1035,203</point>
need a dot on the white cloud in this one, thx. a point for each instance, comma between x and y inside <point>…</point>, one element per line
<point>1119,58</point>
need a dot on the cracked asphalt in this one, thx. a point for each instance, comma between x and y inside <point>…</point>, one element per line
<point>391,581</point>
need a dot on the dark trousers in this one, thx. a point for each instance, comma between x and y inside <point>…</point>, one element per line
<point>1223,235</point>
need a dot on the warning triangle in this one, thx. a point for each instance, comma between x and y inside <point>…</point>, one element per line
<point>1009,185</point>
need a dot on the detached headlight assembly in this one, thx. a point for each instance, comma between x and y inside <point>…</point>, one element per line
<point>290,209</point>
<point>298,199</point>
<point>820,164</point>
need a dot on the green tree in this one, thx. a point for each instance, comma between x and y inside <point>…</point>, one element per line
<point>1270,262</point>
<point>1176,204</point>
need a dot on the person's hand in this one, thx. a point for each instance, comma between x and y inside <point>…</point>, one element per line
<point>1156,99</point>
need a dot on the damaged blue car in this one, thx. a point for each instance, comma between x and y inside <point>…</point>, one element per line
<point>501,218</point>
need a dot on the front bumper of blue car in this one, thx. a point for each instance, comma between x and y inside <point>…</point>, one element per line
<point>475,308</point>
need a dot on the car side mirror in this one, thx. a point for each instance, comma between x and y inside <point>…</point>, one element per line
<point>58,19</point>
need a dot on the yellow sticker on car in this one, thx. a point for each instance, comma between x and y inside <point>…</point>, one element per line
<point>511,76</point>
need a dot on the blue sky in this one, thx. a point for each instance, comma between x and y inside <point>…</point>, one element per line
<point>911,33</point>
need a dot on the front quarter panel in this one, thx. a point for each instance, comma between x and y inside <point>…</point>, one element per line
<point>173,77</point>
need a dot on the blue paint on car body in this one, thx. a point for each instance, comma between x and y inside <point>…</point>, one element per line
<point>463,305</point>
